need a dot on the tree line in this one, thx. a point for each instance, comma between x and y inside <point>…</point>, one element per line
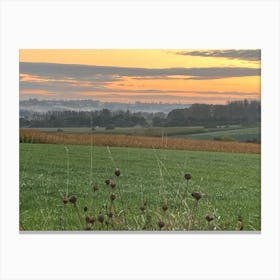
<point>102,118</point>
<point>236,112</point>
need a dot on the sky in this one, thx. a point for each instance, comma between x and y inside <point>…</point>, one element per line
<point>167,76</point>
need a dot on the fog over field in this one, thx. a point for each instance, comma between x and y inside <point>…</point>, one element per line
<point>44,105</point>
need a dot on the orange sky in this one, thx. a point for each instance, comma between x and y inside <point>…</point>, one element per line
<point>178,76</point>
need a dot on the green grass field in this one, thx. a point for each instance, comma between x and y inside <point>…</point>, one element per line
<point>240,135</point>
<point>229,184</point>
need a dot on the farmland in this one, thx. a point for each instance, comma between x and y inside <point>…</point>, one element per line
<point>233,132</point>
<point>150,180</point>
<point>36,136</point>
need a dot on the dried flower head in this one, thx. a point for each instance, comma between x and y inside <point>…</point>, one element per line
<point>161,224</point>
<point>188,176</point>
<point>73,199</point>
<point>85,209</point>
<point>239,225</point>
<point>108,181</point>
<point>209,218</point>
<point>90,220</point>
<point>112,197</point>
<point>100,218</point>
<point>110,214</point>
<point>117,172</point>
<point>65,199</point>
<point>164,207</point>
<point>113,184</point>
<point>197,195</point>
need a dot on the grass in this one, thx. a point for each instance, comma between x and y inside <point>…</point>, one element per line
<point>240,135</point>
<point>150,178</point>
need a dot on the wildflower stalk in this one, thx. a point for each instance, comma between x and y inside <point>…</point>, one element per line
<point>67,180</point>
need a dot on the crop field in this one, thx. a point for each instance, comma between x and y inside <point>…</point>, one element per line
<point>86,187</point>
<point>36,136</point>
<point>232,132</point>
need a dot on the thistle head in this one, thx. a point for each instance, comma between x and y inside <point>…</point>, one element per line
<point>112,197</point>
<point>73,199</point>
<point>164,207</point>
<point>113,184</point>
<point>65,199</point>
<point>161,224</point>
<point>209,218</point>
<point>197,195</point>
<point>117,172</point>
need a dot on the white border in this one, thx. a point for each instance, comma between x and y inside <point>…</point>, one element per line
<point>145,24</point>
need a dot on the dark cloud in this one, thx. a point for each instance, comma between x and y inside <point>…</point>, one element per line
<point>113,73</point>
<point>75,81</point>
<point>249,55</point>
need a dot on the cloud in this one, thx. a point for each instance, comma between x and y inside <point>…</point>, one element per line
<point>225,95</point>
<point>76,81</point>
<point>64,87</point>
<point>249,55</point>
<point>114,73</point>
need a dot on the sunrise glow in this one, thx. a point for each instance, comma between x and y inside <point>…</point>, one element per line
<point>173,76</point>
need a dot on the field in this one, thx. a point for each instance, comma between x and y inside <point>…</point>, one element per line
<point>151,192</point>
<point>36,136</point>
<point>232,132</point>
<point>241,135</point>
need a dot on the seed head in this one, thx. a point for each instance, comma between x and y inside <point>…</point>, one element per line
<point>113,184</point>
<point>85,209</point>
<point>108,181</point>
<point>65,199</point>
<point>100,218</point>
<point>239,225</point>
<point>73,199</point>
<point>161,224</point>
<point>197,195</point>
<point>209,218</point>
<point>164,207</point>
<point>112,197</point>
<point>188,176</point>
<point>90,220</point>
<point>110,214</point>
<point>117,172</point>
